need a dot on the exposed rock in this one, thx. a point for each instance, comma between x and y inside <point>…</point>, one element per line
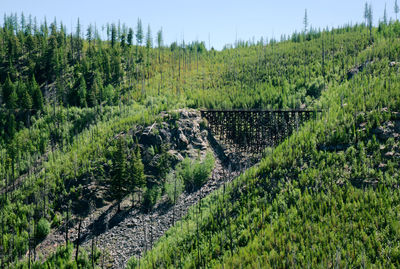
<point>182,141</point>
<point>389,154</point>
<point>356,69</point>
<point>176,155</point>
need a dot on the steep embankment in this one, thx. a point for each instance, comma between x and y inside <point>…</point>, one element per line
<point>120,235</point>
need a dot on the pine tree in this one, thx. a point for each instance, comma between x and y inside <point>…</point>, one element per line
<point>51,60</point>
<point>78,41</point>
<point>305,21</point>
<point>8,88</point>
<point>23,22</point>
<point>366,9</point>
<point>10,94</point>
<point>149,39</point>
<point>36,93</point>
<point>159,38</point>
<point>119,179</point>
<point>123,40</point>
<point>130,37</point>
<point>137,179</point>
<point>396,8</point>
<point>139,33</point>
<point>385,20</point>
<point>82,92</point>
<point>93,93</point>
<point>24,98</point>
<point>113,35</point>
<point>11,126</point>
<point>159,43</point>
<point>89,34</point>
<point>370,20</point>
<point>30,44</point>
<point>116,68</point>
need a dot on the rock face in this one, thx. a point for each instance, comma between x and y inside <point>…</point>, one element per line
<point>179,132</point>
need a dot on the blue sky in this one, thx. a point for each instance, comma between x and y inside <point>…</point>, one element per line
<point>214,21</point>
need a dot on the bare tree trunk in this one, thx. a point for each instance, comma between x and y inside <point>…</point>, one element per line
<point>29,245</point>
<point>93,253</point>
<point>78,239</point>
<point>66,226</point>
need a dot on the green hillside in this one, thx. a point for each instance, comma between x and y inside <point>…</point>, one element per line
<point>327,196</point>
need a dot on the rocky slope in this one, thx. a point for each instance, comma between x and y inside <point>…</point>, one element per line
<point>120,235</point>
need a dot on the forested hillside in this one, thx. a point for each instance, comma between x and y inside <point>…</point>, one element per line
<point>72,106</point>
<point>328,195</point>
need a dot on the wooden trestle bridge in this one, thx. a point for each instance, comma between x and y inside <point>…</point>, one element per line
<point>252,131</point>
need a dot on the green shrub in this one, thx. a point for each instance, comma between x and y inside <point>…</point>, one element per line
<point>315,87</point>
<point>56,220</point>
<point>173,187</point>
<point>43,228</point>
<point>195,173</point>
<point>150,197</point>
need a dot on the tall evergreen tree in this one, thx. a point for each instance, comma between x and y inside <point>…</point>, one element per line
<point>123,40</point>
<point>130,37</point>
<point>78,40</point>
<point>370,20</point>
<point>89,34</point>
<point>159,38</point>
<point>12,99</point>
<point>149,39</point>
<point>50,58</point>
<point>113,35</point>
<point>36,93</point>
<point>8,88</point>
<point>385,20</point>
<point>82,92</point>
<point>139,33</point>
<point>11,126</point>
<point>396,8</point>
<point>366,9</point>
<point>137,177</point>
<point>159,43</point>
<point>119,179</point>
<point>117,71</point>
<point>24,98</point>
<point>305,21</point>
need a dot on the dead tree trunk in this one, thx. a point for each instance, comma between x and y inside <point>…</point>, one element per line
<point>78,239</point>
